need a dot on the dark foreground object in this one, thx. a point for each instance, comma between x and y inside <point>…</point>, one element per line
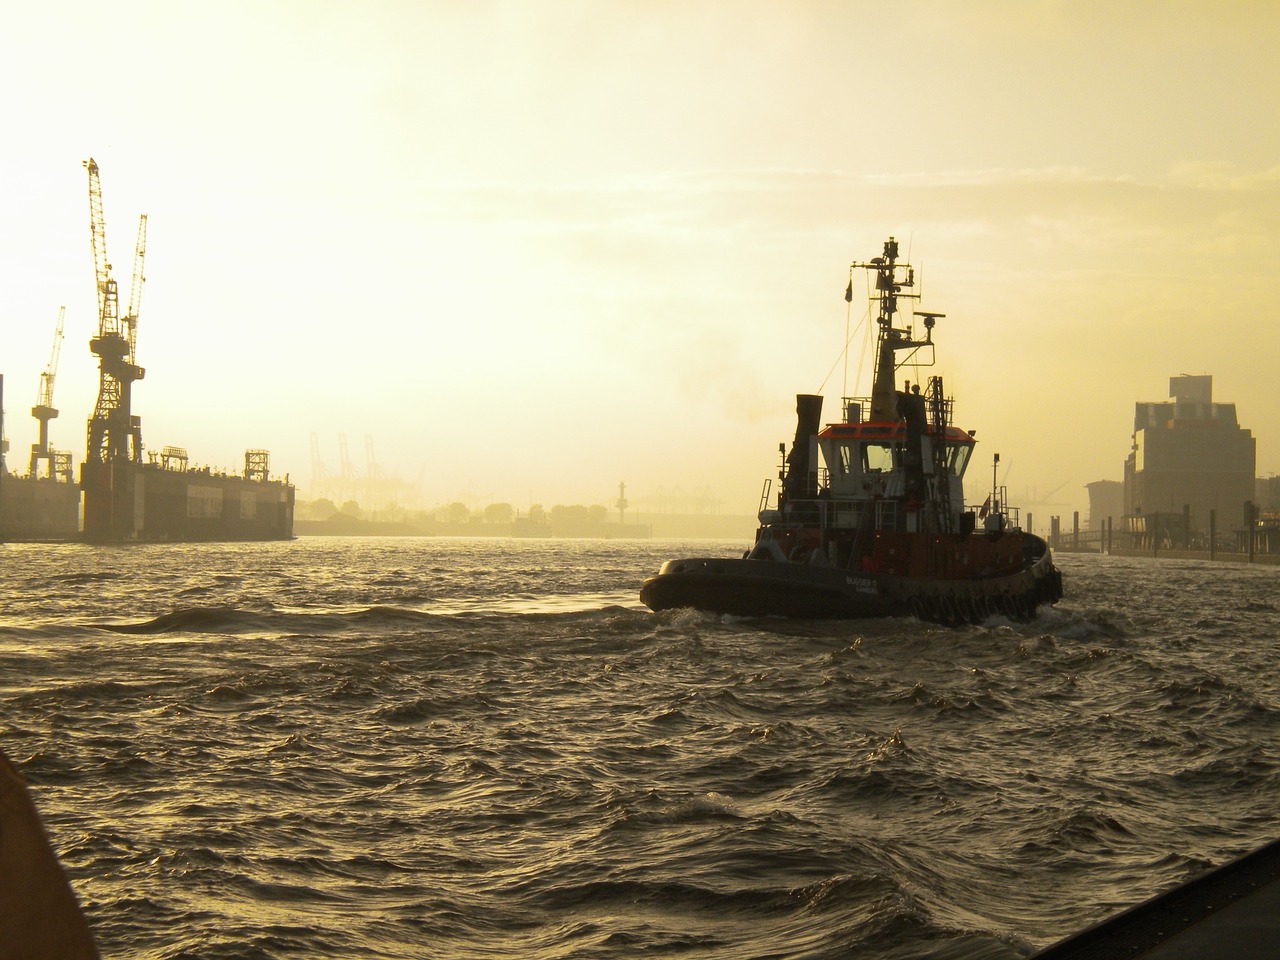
<point>39,915</point>
<point>1231,912</point>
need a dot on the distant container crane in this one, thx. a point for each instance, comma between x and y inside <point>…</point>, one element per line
<point>58,462</point>
<point>375,490</point>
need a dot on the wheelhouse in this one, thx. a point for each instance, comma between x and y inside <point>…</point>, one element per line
<point>865,460</point>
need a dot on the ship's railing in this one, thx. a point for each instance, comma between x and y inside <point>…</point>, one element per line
<point>886,515</point>
<point>832,514</point>
<point>1010,516</point>
<point>855,409</point>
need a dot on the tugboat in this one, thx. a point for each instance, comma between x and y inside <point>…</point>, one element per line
<point>878,527</point>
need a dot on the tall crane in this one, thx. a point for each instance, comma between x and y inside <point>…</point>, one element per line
<point>114,433</point>
<point>348,468</point>
<point>319,472</point>
<point>130,320</point>
<point>44,410</point>
<point>375,471</point>
<point>347,484</point>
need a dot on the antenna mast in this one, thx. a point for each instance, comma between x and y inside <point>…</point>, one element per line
<point>891,280</point>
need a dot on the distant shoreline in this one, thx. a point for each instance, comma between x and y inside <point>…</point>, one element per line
<point>1219,556</point>
<point>639,527</point>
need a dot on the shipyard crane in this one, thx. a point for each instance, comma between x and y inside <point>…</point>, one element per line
<point>319,472</point>
<point>130,320</point>
<point>44,410</point>
<point>348,479</point>
<point>114,433</point>
<point>348,468</point>
<point>375,471</point>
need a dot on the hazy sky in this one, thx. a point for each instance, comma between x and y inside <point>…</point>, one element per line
<point>536,248</point>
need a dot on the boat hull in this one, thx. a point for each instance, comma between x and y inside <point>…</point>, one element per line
<point>765,587</point>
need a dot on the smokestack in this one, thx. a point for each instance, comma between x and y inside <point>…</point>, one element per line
<point>802,472</point>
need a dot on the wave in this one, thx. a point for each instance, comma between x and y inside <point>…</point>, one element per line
<point>190,618</point>
<point>74,579</point>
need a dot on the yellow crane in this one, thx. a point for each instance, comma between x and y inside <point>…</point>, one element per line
<point>130,320</point>
<point>114,433</point>
<point>44,410</point>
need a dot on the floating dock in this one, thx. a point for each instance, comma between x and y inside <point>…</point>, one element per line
<point>148,502</point>
<point>127,498</point>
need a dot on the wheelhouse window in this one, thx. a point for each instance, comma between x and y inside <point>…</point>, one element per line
<point>845,451</point>
<point>878,456</point>
<point>958,457</point>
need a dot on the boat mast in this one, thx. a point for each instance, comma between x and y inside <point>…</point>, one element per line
<point>891,278</point>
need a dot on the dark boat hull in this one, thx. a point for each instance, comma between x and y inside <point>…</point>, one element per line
<point>762,588</point>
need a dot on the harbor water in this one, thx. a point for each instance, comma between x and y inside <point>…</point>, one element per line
<point>450,748</point>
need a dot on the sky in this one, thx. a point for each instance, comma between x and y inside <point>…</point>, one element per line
<point>533,250</point>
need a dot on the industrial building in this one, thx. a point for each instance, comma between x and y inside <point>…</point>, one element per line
<point>1190,456</point>
<point>1106,502</point>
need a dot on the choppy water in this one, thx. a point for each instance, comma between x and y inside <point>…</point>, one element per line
<point>455,748</point>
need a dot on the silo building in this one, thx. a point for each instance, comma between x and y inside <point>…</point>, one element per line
<point>1189,456</point>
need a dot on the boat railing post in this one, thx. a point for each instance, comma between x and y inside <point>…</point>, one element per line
<point>822,525</point>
